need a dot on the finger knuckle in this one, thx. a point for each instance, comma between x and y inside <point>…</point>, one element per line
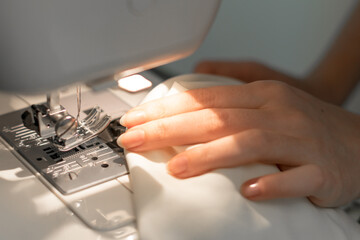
<point>205,96</point>
<point>159,111</point>
<point>318,177</point>
<point>216,121</point>
<point>258,137</point>
<point>276,89</point>
<point>206,156</point>
<point>161,129</point>
<point>279,88</point>
<point>200,159</point>
<point>221,118</point>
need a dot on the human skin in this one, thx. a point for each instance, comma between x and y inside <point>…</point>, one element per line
<point>315,144</point>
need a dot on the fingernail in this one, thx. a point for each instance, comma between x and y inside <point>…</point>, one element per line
<point>251,189</point>
<point>133,118</point>
<point>131,139</point>
<point>178,165</point>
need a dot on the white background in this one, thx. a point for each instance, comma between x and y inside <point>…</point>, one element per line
<point>290,35</point>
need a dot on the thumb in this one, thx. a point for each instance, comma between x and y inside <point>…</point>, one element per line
<point>240,70</point>
<point>246,71</point>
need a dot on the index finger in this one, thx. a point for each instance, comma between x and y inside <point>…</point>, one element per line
<point>235,96</point>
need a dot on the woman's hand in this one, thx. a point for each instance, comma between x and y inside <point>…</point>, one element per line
<point>315,144</point>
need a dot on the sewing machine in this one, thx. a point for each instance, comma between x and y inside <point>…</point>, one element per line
<point>61,173</point>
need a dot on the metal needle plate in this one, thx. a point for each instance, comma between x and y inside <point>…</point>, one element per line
<point>86,165</point>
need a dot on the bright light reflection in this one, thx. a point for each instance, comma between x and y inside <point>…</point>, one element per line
<point>12,175</point>
<point>47,203</point>
<point>134,83</point>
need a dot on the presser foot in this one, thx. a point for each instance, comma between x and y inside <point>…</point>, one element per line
<point>71,133</point>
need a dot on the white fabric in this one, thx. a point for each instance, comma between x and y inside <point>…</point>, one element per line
<point>210,206</point>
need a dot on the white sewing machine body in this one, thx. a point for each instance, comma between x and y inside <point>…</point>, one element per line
<point>32,208</point>
<point>46,45</point>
